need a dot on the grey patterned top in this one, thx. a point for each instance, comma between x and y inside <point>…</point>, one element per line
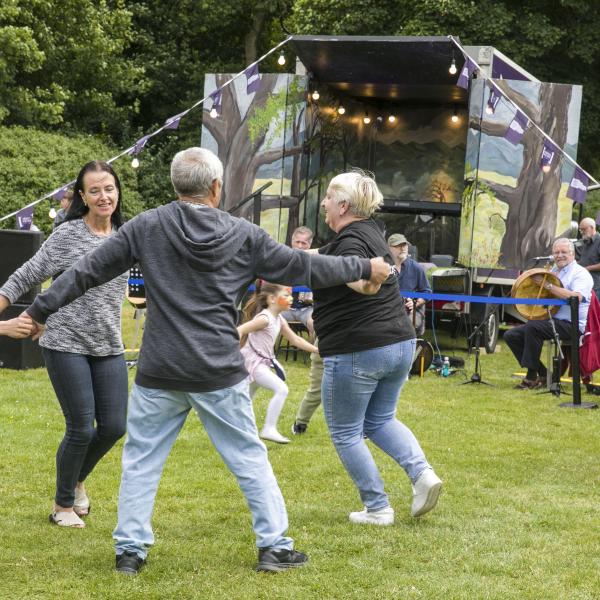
<point>89,325</point>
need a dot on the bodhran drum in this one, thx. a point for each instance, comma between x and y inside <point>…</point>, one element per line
<point>422,359</point>
<point>526,286</point>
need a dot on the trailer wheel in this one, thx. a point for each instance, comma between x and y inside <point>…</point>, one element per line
<point>490,331</point>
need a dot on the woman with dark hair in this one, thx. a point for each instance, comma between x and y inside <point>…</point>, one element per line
<point>81,343</point>
<point>367,343</point>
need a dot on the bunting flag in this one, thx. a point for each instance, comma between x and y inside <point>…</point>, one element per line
<point>517,127</point>
<point>465,75</point>
<point>139,145</point>
<point>173,122</point>
<point>578,186</point>
<point>548,154</point>
<point>59,194</point>
<point>492,102</point>
<point>217,99</point>
<point>252,79</point>
<point>25,218</point>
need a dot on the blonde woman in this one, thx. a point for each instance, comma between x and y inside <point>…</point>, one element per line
<point>367,344</point>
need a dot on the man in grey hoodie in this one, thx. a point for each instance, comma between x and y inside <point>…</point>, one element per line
<point>197,262</point>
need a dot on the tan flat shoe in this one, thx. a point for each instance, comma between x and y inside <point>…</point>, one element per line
<point>64,518</point>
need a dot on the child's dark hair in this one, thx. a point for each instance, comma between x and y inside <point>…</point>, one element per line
<point>258,300</point>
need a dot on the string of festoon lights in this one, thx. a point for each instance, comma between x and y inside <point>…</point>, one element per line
<point>521,122</point>
<point>252,74</point>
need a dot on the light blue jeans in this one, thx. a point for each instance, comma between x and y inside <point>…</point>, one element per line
<point>360,392</point>
<point>154,420</point>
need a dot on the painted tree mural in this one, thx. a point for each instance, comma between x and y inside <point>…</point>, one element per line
<point>532,197</point>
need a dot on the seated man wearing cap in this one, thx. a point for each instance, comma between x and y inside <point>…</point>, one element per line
<point>411,278</point>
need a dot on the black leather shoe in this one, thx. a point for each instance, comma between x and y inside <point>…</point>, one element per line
<point>280,560</point>
<point>298,428</point>
<point>129,563</point>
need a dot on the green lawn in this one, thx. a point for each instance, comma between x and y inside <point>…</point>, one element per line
<point>519,516</point>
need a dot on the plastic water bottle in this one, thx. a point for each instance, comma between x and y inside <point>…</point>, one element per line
<point>446,367</point>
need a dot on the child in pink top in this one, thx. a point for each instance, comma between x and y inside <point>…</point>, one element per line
<point>258,335</point>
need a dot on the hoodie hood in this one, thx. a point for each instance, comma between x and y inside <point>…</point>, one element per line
<point>209,237</point>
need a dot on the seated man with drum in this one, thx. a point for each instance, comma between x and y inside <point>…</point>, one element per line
<point>525,341</point>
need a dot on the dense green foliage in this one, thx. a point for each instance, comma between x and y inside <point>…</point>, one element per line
<point>118,69</point>
<point>36,162</point>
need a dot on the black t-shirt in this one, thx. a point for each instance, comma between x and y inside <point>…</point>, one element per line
<point>346,321</point>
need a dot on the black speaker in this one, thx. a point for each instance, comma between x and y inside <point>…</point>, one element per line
<point>16,248</point>
<point>18,354</point>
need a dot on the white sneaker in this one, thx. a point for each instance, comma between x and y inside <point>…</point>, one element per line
<point>383,516</point>
<point>426,492</point>
<point>274,436</point>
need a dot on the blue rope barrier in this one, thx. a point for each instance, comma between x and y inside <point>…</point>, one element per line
<point>485,299</point>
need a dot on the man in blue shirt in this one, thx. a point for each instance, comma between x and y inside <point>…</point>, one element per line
<point>411,278</point>
<point>526,341</point>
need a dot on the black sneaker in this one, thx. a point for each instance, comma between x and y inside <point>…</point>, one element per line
<point>129,563</point>
<point>299,428</point>
<point>280,560</point>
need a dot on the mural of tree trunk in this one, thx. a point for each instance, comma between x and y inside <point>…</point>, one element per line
<point>243,154</point>
<point>533,202</point>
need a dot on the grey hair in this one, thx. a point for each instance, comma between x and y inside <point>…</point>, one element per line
<point>193,172</point>
<point>359,189</point>
<point>564,240</point>
<point>303,230</point>
<point>588,222</point>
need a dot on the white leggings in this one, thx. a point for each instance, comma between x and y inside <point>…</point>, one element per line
<point>264,377</point>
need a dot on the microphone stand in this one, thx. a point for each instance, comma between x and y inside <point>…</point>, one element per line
<point>555,387</point>
<point>476,377</point>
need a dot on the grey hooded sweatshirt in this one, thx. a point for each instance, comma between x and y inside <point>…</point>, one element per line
<point>197,263</point>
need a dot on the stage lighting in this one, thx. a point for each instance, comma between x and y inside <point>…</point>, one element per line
<point>392,118</point>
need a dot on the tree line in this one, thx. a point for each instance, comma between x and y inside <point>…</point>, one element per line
<point>101,73</point>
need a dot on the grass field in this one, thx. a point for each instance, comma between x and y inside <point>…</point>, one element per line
<point>519,516</point>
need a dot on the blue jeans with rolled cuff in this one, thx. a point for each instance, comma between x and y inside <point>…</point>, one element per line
<point>360,393</point>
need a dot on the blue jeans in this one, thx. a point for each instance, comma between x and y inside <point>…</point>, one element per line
<point>155,419</point>
<point>360,392</point>
<point>88,388</point>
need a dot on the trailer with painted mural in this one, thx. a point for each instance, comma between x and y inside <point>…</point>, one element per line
<point>467,174</point>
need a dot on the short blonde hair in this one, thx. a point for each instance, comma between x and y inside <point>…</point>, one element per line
<point>359,189</point>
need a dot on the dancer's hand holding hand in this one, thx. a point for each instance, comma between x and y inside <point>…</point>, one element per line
<point>380,271</point>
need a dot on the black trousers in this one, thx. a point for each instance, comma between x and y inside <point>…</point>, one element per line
<point>526,341</point>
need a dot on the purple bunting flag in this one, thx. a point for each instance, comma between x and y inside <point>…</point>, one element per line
<point>252,79</point>
<point>465,75</point>
<point>517,127</point>
<point>548,154</point>
<point>59,194</point>
<point>492,102</point>
<point>217,99</point>
<point>25,218</point>
<point>173,122</point>
<point>578,186</point>
<point>139,145</point>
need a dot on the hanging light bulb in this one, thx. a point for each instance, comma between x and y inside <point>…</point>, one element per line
<point>214,113</point>
<point>452,69</point>
<point>546,168</point>
<point>281,59</point>
<point>392,118</point>
<point>341,110</point>
<point>316,95</point>
<point>52,213</point>
<point>454,117</point>
<point>366,118</point>
<point>489,110</point>
<point>135,163</point>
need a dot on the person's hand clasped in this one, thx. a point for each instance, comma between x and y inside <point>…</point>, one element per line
<point>20,327</point>
<point>380,271</point>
